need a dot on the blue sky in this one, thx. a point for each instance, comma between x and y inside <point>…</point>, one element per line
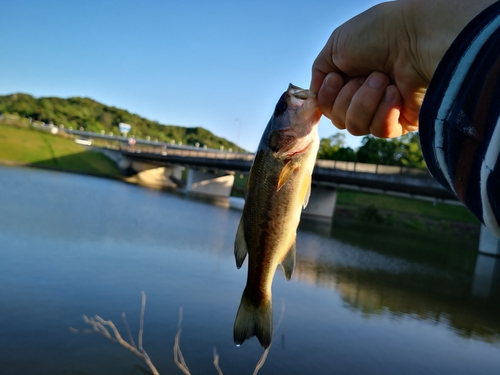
<point>217,64</point>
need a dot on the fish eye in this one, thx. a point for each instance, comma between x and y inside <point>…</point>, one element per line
<point>280,108</point>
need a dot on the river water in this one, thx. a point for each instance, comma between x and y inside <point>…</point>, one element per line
<point>356,304</point>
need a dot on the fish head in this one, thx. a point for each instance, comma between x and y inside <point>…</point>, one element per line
<point>292,127</point>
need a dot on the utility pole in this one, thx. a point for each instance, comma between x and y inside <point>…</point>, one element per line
<point>238,134</point>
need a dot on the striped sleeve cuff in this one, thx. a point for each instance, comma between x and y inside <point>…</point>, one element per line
<point>459,122</point>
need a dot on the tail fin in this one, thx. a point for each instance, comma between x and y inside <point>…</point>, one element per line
<point>253,320</point>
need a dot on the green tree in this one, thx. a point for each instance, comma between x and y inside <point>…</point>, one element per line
<point>377,151</point>
<point>333,148</point>
<point>411,153</point>
<point>403,151</point>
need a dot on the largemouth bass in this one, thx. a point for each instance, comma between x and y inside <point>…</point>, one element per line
<point>278,188</point>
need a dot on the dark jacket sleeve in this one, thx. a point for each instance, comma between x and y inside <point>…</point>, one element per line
<point>459,122</point>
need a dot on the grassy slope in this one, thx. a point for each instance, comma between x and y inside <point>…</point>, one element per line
<point>389,210</point>
<point>40,149</point>
<point>407,206</point>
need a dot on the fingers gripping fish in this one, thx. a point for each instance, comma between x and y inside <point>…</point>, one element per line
<point>278,188</point>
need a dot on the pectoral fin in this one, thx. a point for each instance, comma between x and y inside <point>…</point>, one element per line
<point>288,262</point>
<point>285,174</point>
<point>240,245</point>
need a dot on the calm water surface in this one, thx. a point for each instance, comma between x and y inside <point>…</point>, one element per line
<point>357,304</point>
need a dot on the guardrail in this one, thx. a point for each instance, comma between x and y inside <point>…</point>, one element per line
<point>351,166</point>
<point>191,153</point>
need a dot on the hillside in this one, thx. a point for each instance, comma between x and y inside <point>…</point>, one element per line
<point>93,116</point>
<point>24,146</point>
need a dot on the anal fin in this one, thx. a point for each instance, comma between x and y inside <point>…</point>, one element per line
<point>288,263</point>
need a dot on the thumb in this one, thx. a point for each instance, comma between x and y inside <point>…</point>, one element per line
<point>321,67</point>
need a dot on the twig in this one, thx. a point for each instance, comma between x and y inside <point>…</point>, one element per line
<point>178,357</point>
<point>99,325</point>
<point>141,320</point>
<point>263,358</point>
<point>124,317</point>
<point>216,362</point>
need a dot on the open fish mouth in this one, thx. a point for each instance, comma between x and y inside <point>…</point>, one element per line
<point>299,93</point>
<point>305,101</point>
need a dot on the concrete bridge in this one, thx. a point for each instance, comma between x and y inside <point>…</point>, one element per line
<point>212,172</point>
<point>401,181</point>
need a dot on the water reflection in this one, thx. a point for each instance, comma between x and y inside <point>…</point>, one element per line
<point>361,300</point>
<point>464,294</point>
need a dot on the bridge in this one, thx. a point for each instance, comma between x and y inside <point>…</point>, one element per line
<point>400,181</point>
<point>161,164</point>
<point>382,179</point>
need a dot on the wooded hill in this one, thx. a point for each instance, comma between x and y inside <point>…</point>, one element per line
<point>93,116</point>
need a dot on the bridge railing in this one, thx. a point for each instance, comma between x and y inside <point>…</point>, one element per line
<point>351,166</point>
<point>191,153</point>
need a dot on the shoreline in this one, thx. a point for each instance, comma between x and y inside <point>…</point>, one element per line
<point>357,213</point>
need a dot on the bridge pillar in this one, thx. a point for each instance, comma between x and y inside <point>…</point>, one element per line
<point>488,243</point>
<point>486,280</point>
<point>159,177</point>
<point>120,160</point>
<point>321,202</point>
<point>205,183</point>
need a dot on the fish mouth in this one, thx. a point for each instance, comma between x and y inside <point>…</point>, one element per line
<point>306,101</point>
<point>298,92</point>
<point>304,116</point>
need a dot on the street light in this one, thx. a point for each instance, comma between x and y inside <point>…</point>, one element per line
<point>238,134</point>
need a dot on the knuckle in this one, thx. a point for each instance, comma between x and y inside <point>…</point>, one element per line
<point>337,120</point>
<point>355,127</point>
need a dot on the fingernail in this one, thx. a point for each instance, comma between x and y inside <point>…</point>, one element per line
<point>377,81</point>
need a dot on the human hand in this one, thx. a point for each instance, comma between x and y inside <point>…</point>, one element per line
<point>373,72</point>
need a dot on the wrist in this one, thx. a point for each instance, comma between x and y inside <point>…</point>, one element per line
<point>433,25</point>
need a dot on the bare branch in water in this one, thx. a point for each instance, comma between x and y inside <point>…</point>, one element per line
<point>216,362</point>
<point>124,317</point>
<point>263,358</point>
<point>141,321</point>
<point>178,357</point>
<point>99,325</point>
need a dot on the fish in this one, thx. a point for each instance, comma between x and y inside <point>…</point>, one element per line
<point>278,188</point>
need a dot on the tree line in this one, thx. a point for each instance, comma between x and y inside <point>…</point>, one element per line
<point>403,151</point>
<point>86,113</point>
